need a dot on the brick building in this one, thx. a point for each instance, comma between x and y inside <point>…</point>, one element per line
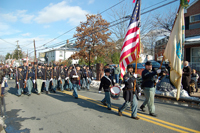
<point>192,34</point>
<point>192,37</point>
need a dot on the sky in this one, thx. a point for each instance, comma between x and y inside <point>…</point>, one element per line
<point>43,20</point>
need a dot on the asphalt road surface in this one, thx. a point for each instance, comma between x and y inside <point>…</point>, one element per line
<point>61,113</point>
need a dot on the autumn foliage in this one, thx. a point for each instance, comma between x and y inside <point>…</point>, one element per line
<point>93,33</point>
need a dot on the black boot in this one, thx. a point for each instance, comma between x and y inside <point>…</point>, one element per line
<point>142,108</point>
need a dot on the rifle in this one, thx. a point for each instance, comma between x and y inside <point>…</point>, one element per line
<point>35,75</point>
<point>17,78</point>
<point>52,76</point>
<point>60,77</point>
<point>26,78</point>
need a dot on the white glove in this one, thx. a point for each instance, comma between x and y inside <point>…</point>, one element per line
<point>25,80</point>
<point>34,81</point>
<point>157,80</point>
<point>158,71</point>
<point>59,78</point>
<point>92,78</point>
<point>135,75</point>
<point>139,94</point>
<point>17,82</point>
<point>99,91</point>
<point>66,78</point>
<point>51,79</point>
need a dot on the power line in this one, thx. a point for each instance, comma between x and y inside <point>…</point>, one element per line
<point>7,42</point>
<point>126,19</point>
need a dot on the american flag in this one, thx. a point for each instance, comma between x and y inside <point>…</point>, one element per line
<point>131,41</point>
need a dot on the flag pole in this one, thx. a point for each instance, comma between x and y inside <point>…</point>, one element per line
<point>135,68</point>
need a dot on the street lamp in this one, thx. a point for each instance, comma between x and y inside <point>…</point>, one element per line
<point>89,49</point>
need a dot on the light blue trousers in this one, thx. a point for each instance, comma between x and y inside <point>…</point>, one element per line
<point>134,105</point>
<point>75,86</point>
<point>149,94</point>
<point>29,85</point>
<point>107,99</point>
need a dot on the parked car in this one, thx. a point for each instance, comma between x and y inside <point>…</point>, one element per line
<point>140,68</point>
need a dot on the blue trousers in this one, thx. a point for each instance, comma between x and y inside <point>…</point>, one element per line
<point>84,83</point>
<point>134,105</point>
<point>19,90</point>
<point>29,85</point>
<point>88,82</point>
<point>75,86</point>
<point>117,78</point>
<point>47,84</point>
<point>62,85</point>
<point>69,84</point>
<point>55,84</point>
<point>107,99</point>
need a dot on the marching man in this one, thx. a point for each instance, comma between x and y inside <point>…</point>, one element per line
<point>129,94</point>
<point>106,84</point>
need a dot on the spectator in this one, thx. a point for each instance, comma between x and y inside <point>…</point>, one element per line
<point>186,77</point>
<point>195,77</point>
<point>117,72</point>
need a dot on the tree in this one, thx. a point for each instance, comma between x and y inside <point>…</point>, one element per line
<point>95,34</point>
<point>8,56</point>
<point>17,53</point>
<point>115,57</point>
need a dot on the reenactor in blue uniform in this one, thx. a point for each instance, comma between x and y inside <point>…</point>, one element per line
<point>48,79</point>
<point>148,83</point>
<point>43,84</point>
<point>62,77</point>
<point>75,76</point>
<point>20,81</point>
<point>55,78</point>
<point>40,78</point>
<point>106,84</point>
<point>68,80</point>
<point>24,67</point>
<point>30,78</point>
<point>7,72</point>
<point>88,78</point>
<point>129,94</point>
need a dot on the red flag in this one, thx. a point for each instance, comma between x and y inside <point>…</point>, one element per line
<point>188,1</point>
<point>133,1</point>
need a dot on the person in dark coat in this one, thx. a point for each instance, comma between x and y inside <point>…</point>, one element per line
<point>106,84</point>
<point>75,76</point>
<point>20,81</point>
<point>55,74</point>
<point>148,86</point>
<point>30,78</point>
<point>186,77</point>
<point>129,94</point>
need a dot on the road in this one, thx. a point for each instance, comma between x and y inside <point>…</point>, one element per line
<point>61,113</point>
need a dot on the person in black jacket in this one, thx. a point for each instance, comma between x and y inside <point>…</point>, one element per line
<point>55,78</point>
<point>40,78</point>
<point>48,78</point>
<point>62,77</point>
<point>129,94</point>
<point>106,84</point>
<point>186,77</point>
<point>30,78</point>
<point>20,81</point>
<point>75,76</point>
<point>148,82</point>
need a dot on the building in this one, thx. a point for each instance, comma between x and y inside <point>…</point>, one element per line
<point>192,37</point>
<point>192,34</point>
<point>160,48</point>
<point>60,53</point>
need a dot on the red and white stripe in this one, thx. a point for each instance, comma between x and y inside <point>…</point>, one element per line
<point>130,46</point>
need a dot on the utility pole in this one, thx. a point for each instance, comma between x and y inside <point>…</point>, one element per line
<point>34,51</point>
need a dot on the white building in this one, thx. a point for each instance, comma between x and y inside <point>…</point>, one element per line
<point>60,54</point>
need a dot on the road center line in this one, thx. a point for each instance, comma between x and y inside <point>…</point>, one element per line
<point>142,116</point>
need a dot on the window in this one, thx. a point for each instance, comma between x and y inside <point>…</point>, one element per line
<point>61,54</point>
<point>195,54</point>
<point>195,18</point>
